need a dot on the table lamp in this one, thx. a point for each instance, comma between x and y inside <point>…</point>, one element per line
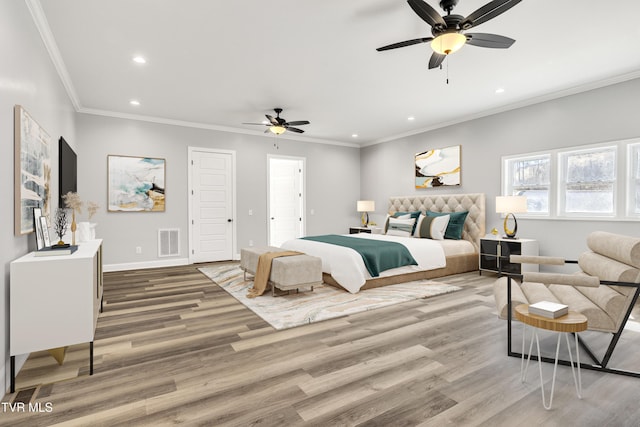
<point>366,206</point>
<point>509,205</point>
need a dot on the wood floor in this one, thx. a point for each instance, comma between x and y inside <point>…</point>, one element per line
<point>173,348</point>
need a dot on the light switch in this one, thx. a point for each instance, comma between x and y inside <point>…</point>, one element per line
<point>250,212</point>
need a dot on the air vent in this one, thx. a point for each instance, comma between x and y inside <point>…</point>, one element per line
<point>168,242</point>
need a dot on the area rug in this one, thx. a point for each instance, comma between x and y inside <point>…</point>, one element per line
<point>325,302</point>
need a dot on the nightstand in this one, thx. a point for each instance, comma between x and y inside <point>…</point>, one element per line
<point>356,230</point>
<point>495,253</point>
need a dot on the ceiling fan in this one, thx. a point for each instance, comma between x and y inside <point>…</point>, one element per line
<point>447,30</point>
<point>278,125</point>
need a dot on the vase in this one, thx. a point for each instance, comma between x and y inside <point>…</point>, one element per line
<point>86,231</point>
<point>74,227</point>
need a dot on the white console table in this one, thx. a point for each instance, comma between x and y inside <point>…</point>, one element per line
<point>55,301</point>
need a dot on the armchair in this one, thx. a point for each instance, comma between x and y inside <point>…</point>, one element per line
<point>605,290</point>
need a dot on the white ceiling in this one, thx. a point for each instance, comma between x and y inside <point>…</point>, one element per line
<point>216,64</point>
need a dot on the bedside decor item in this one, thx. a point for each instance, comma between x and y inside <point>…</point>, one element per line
<point>510,205</point>
<point>32,171</point>
<point>365,206</point>
<point>135,184</point>
<point>438,168</point>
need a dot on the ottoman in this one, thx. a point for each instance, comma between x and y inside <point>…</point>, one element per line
<point>299,272</point>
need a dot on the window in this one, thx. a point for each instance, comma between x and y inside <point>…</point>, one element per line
<point>634,176</point>
<point>530,176</point>
<point>588,181</point>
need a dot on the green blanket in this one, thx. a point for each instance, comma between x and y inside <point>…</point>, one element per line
<point>377,255</point>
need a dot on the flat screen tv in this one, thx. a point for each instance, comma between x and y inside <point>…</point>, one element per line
<point>68,171</point>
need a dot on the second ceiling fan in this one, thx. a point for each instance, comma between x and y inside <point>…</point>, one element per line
<point>278,125</point>
<point>447,30</point>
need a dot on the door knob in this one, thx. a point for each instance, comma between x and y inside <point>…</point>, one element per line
<point>229,220</point>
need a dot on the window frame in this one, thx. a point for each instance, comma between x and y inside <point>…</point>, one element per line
<point>563,157</point>
<point>625,188</point>
<point>633,189</point>
<point>509,189</point>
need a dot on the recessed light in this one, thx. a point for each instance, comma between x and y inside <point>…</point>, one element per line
<point>354,135</point>
<point>139,60</point>
<point>500,90</point>
<point>134,102</point>
<point>411,118</point>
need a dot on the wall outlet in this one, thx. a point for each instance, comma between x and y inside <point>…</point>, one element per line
<point>250,212</point>
<point>250,242</point>
<point>138,249</point>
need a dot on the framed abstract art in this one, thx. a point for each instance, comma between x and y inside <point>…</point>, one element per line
<point>32,171</point>
<point>438,168</point>
<point>135,184</point>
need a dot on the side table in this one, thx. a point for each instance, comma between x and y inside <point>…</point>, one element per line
<point>573,322</point>
<point>356,230</point>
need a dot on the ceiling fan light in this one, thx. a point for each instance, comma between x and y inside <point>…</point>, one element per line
<point>278,130</point>
<point>448,43</point>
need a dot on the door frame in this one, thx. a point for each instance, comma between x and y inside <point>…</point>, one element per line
<point>191,150</point>
<point>303,212</point>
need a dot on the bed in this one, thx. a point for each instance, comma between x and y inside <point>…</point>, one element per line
<point>345,269</point>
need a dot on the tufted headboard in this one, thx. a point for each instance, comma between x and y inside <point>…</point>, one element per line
<point>474,225</point>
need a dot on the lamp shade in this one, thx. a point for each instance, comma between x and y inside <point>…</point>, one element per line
<point>511,204</point>
<point>366,205</point>
<point>277,129</point>
<point>448,43</point>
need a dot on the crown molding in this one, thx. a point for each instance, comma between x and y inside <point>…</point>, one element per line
<point>514,106</point>
<point>39,18</point>
<point>197,125</point>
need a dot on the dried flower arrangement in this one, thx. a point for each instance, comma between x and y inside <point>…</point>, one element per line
<point>74,202</point>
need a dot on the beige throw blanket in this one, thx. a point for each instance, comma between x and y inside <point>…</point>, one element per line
<point>264,271</point>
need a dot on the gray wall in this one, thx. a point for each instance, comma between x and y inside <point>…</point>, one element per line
<point>27,78</point>
<point>328,168</point>
<point>600,115</point>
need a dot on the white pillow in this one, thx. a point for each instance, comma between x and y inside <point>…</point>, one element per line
<point>400,227</point>
<point>432,227</point>
<point>386,222</point>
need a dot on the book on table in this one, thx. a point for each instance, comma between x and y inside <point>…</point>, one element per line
<point>53,251</point>
<point>548,309</point>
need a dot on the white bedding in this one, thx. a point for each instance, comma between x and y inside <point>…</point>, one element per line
<point>347,267</point>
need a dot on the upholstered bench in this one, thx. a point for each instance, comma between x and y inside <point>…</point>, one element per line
<point>298,272</point>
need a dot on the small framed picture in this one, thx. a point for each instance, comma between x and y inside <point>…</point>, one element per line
<point>37,226</point>
<point>44,226</point>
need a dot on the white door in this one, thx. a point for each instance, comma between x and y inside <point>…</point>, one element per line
<point>286,199</point>
<point>212,205</point>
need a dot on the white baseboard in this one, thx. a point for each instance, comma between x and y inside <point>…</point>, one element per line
<point>147,264</point>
